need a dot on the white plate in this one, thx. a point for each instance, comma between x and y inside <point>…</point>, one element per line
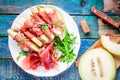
<point>41,72</point>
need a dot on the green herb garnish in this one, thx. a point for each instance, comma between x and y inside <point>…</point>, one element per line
<point>22,53</point>
<point>45,27</point>
<point>66,47</point>
<point>57,23</point>
<point>21,40</point>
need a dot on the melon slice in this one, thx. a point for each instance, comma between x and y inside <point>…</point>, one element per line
<point>111,46</point>
<point>48,9</point>
<point>97,64</point>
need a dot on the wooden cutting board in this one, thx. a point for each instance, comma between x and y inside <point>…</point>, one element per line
<point>98,44</point>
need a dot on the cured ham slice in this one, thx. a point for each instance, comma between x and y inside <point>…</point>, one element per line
<point>32,61</point>
<point>44,16</point>
<point>27,24</point>
<point>53,15</point>
<point>38,19</point>
<point>46,57</point>
<point>49,34</point>
<point>48,62</point>
<point>56,30</point>
<point>22,40</point>
<point>33,38</point>
<point>36,29</point>
<point>44,39</point>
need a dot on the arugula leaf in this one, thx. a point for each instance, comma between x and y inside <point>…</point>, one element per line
<point>22,53</point>
<point>45,27</point>
<point>21,40</point>
<point>57,23</point>
<point>66,47</point>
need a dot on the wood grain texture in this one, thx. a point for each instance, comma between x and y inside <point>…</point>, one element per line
<point>4,50</point>
<point>17,6</point>
<point>92,23</point>
<point>71,6</point>
<point>74,7</point>
<point>6,22</point>
<point>10,71</point>
<point>9,9</point>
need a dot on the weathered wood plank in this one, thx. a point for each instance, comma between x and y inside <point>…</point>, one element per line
<point>74,7</point>
<point>70,6</point>
<point>10,71</point>
<point>5,53</point>
<point>6,22</point>
<point>92,23</point>
<point>4,50</point>
<point>17,6</point>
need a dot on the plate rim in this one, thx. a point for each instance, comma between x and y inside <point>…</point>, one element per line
<point>62,11</point>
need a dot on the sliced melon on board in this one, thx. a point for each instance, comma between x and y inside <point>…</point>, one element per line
<point>97,64</point>
<point>111,46</point>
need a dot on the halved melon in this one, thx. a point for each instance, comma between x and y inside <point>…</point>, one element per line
<point>97,64</point>
<point>112,47</point>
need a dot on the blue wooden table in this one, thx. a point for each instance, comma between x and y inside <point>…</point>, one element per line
<point>9,9</point>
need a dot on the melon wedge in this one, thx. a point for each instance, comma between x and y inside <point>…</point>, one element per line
<point>48,9</point>
<point>112,47</point>
<point>97,64</point>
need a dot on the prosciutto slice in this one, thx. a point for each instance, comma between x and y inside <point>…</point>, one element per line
<point>38,19</point>
<point>36,29</point>
<point>45,57</point>
<point>44,16</point>
<point>32,61</point>
<point>53,15</point>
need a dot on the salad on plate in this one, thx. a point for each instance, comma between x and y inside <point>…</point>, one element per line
<point>44,40</point>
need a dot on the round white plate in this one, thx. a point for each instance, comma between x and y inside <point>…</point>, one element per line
<point>41,72</point>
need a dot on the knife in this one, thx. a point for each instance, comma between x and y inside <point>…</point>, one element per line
<point>105,17</point>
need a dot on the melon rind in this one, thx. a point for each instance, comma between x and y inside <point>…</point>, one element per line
<point>106,58</point>
<point>112,47</point>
